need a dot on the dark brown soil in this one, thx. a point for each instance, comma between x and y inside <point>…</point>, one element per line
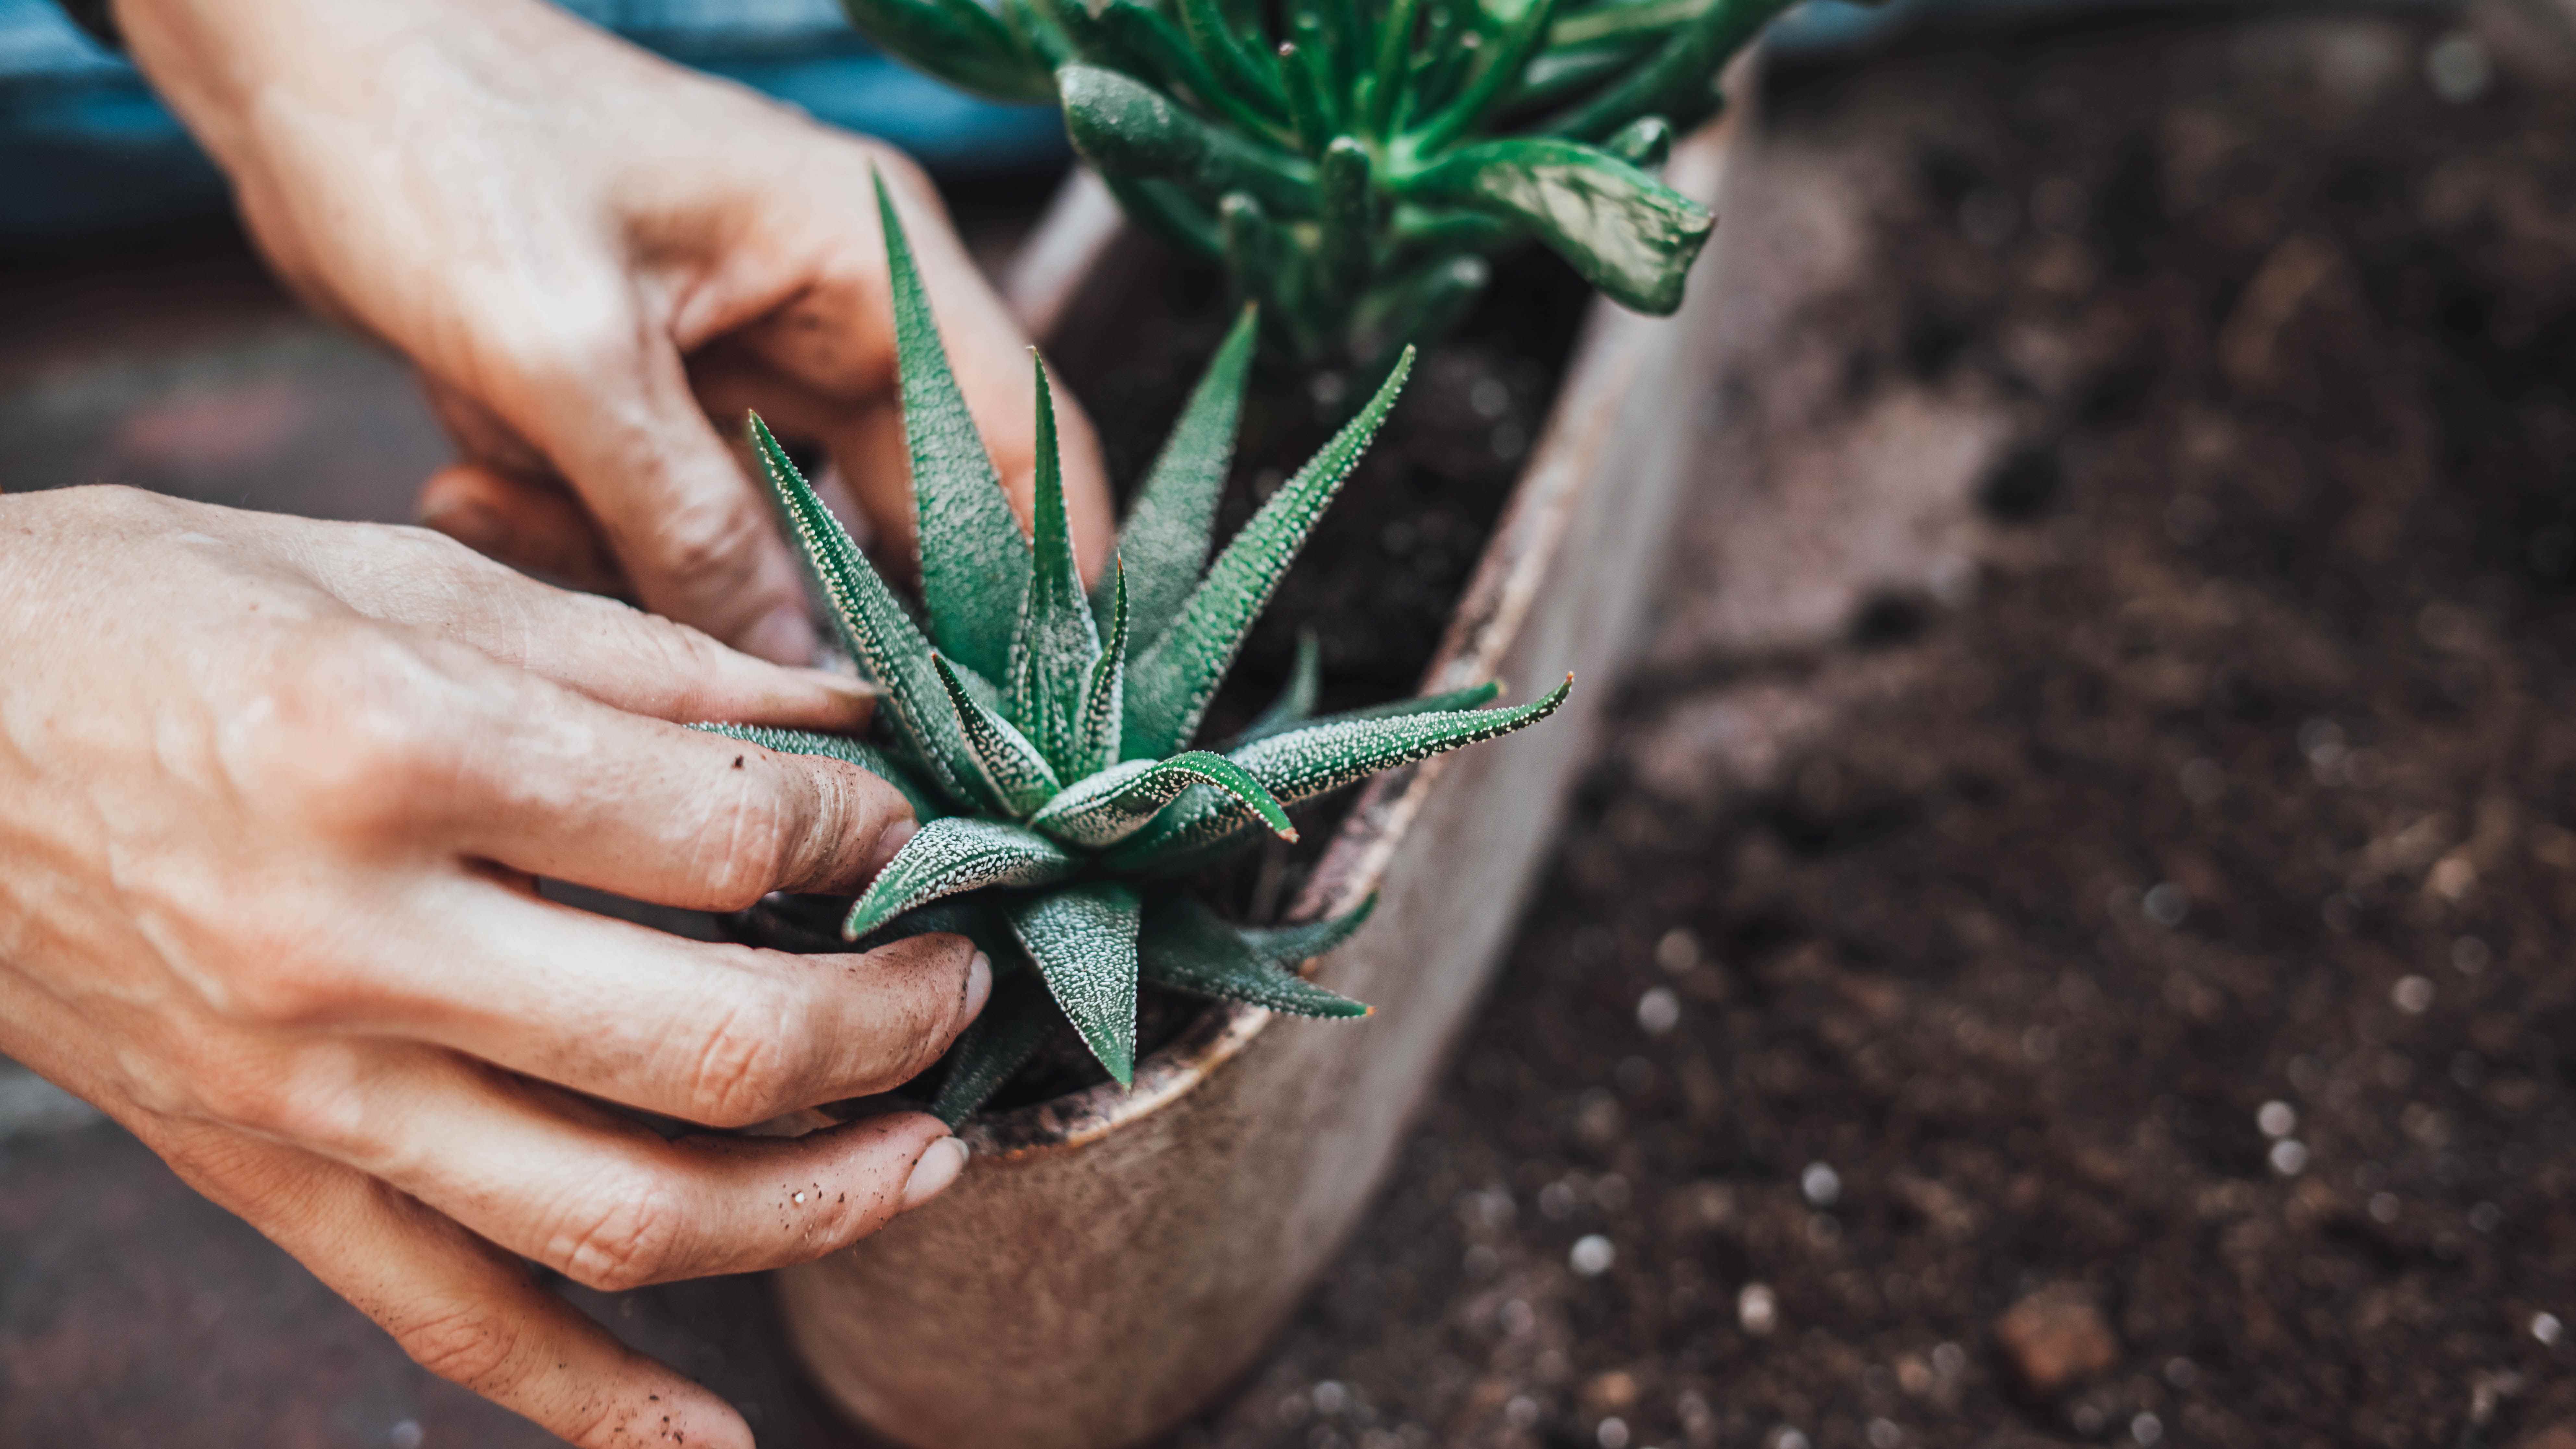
<point>2156,914</point>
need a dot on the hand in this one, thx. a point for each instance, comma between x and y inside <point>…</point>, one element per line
<point>272,795</point>
<point>591,252</point>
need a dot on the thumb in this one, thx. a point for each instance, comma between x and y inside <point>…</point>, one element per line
<point>616,418</point>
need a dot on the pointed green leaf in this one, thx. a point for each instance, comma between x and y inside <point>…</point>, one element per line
<point>1116,803</point>
<point>973,555</point>
<point>1104,695</point>
<point>1083,939</point>
<point>1624,231</point>
<point>1296,702</point>
<point>1187,947</point>
<point>992,1049</point>
<point>954,854</point>
<point>1169,531</point>
<point>1292,946</point>
<point>1475,696</point>
<point>1309,762</point>
<point>872,624</point>
<point>1055,643</point>
<point>1018,775</point>
<point>1169,685</point>
<point>925,802</point>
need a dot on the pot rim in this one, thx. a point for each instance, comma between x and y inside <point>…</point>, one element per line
<point>1077,231</point>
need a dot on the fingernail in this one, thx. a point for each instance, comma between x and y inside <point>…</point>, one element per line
<point>890,842</point>
<point>469,523</point>
<point>979,989</point>
<point>932,1173</point>
<point>784,636</point>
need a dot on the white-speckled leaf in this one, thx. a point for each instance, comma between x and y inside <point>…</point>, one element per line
<point>1015,1022</point>
<point>1187,947</point>
<point>1083,939</point>
<point>956,854</point>
<point>974,559</point>
<point>1056,643</point>
<point>1169,685</point>
<point>1168,533</point>
<point>1309,762</point>
<point>1011,765</point>
<point>872,625</point>
<point>1116,803</point>
<point>1104,694</point>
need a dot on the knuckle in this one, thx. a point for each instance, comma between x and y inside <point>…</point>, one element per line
<point>750,841</point>
<point>473,1344</point>
<point>570,340</point>
<point>746,1070</point>
<point>344,727</point>
<point>631,1240</point>
<point>705,543</point>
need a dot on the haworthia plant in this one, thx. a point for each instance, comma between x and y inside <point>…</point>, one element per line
<point>1047,749</point>
<point>1353,162</point>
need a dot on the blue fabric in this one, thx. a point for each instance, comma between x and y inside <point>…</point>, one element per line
<point>85,148</point>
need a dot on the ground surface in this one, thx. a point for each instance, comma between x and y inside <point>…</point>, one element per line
<point>2066,944</point>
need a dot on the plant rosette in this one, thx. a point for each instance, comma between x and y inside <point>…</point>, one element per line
<point>1044,733</point>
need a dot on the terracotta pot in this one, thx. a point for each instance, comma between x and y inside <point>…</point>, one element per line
<point>1112,1259</point>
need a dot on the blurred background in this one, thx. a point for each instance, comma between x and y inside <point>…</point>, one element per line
<point>2080,962</point>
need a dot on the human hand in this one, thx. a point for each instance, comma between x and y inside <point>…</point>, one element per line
<point>272,795</point>
<point>589,252</point>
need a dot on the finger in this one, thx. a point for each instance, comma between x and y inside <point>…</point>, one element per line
<point>835,340</point>
<point>602,1200</point>
<point>615,654</point>
<point>604,397</point>
<point>461,1308</point>
<point>721,1035</point>
<point>524,773</point>
<point>531,526</point>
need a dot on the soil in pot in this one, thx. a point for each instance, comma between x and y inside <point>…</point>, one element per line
<point>2087,965</point>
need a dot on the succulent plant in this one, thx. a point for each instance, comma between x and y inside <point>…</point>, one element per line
<point>1352,162</point>
<point>1043,732</point>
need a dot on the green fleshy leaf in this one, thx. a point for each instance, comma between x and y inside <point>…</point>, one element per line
<point>1104,695</point>
<point>1083,939</point>
<point>951,855</point>
<point>958,41</point>
<point>1116,803</point>
<point>1056,643</point>
<point>973,556</point>
<point>1624,231</point>
<point>1474,696</point>
<point>925,802</point>
<point>1187,947</point>
<point>1303,764</point>
<point>872,624</point>
<point>995,1045</point>
<point>1294,945</point>
<point>1127,129</point>
<point>1144,32</point>
<point>1169,685</point>
<point>1012,767</point>
<point>1690,55</point>
<point>1643,143</point>
<point>1504,61</point>
<point>1423,305</point>
<point>1169,531</point>
<point>1235,63</point>
<point>1296,701</point>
